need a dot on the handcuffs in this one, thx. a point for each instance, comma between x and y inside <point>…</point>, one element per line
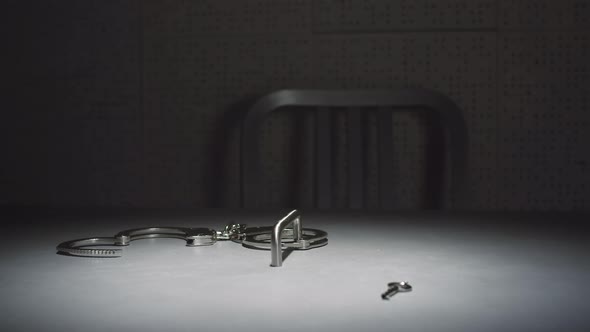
<point>274,238</point>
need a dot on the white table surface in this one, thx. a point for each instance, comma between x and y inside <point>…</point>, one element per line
<point>469,272</point>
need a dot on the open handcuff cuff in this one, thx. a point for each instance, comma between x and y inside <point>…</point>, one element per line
<point>274,238</point>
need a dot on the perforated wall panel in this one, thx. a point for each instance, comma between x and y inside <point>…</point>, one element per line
<point>215,17</point>
<point>197,67</point>
<point>140,102</point>
<point>544,120</point>
<point>341,16</point>
<point>544,14</point>
<point>77,133</point>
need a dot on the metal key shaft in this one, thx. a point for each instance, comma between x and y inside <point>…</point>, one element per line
<point>395,287</point>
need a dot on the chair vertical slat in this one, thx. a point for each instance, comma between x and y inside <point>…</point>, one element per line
<point>324,158</point>
<point>355,159</point>
<point>306,159</point>
<point>385,132</point>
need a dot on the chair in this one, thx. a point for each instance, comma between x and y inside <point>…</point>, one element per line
<point>444,110</point>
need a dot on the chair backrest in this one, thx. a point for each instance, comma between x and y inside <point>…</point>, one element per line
<point>446,112</point>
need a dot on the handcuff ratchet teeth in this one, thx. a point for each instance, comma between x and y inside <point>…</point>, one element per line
<point>274,238</point>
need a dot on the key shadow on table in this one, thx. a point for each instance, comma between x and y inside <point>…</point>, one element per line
<point>286,251</point>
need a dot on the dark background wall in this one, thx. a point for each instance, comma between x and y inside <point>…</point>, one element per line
<point>134,103</point>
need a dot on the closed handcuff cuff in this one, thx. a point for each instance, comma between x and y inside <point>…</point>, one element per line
<point>274,238</point>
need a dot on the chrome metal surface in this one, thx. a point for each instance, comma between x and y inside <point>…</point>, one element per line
<point>395,287</point>
<point>88,247</point>
<point>78,247</point>
<point>231,231</point>
<point>273,238</point>
<point>261,239</point>
<point>276,252</point>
